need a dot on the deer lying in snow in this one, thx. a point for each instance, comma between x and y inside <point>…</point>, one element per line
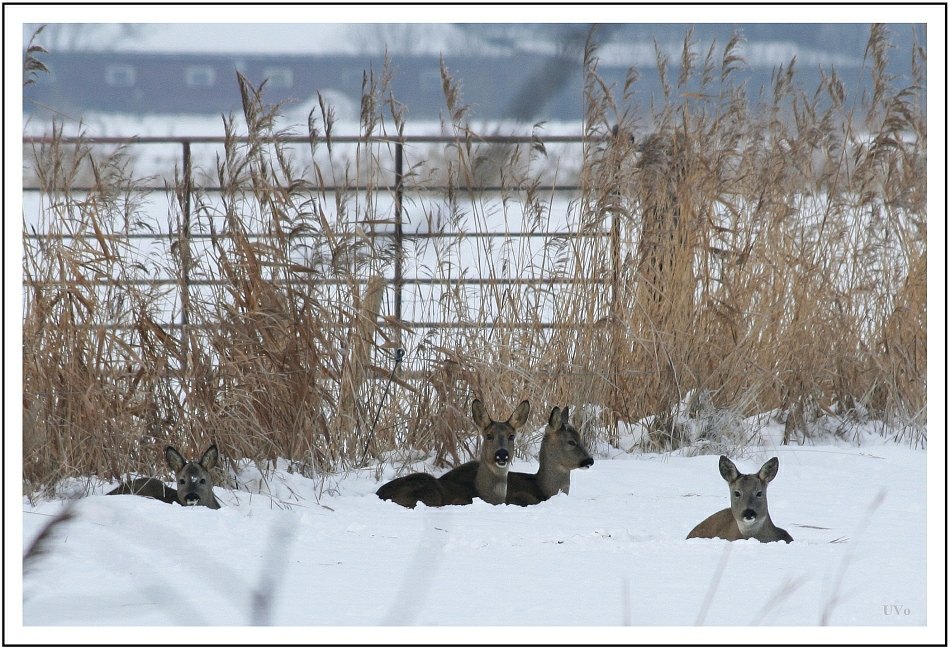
<point>193,478</point>
<point>562,451</point>
<point>748,517</point>
<point>486,478</point>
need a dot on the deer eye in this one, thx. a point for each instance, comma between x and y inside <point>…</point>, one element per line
<point>571,442</point>
<point>181,481</point>
<point>489,437</point>
<point>511,438</point>
<point>758,494</point>
<point>202,481</point>
<point>736,494</point>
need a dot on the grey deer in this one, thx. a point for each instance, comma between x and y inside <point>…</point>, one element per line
<point>485,478</point>
<point>562,451</point>
<point>748,517</point>
<point>193,478</point>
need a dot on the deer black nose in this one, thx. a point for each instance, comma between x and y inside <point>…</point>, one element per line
<point>587,463</point>
<point>501,457</point>
<point>749,515</point>
<point>192,499</point>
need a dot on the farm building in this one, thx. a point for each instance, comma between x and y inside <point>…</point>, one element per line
<point>135,82</point>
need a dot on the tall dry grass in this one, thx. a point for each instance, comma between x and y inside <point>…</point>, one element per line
<point>763,250</point>
<point>94,397</point>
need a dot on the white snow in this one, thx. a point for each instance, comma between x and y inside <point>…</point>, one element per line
<point>329,553</point>
<point>578,568</point>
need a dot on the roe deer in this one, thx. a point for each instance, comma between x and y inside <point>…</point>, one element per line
<point>562,451</point>
<point>193,478</point>
<point>486,478</point>
<point>412,489</point>
<point>748,518</point>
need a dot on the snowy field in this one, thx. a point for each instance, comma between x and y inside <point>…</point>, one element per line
<point>325,561</point>
<point>607,564</point>
<point>294,552</point>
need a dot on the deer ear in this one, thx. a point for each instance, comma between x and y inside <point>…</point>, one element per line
<point>554,421</point>
<point>520,415</point>
<point>175,461</point>
<point>566,415</point>
<point>769,470</point>
<point>480,415</point>
<point>210,458</point>
<point>727,469</point>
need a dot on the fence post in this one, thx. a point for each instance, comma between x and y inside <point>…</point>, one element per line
<point>184,241</point>
<point>397,271</point>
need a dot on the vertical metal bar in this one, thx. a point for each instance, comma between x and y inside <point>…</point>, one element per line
<point>398,279</point>
<point>185,240</point>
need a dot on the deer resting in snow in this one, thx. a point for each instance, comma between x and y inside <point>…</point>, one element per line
<point>193,478</point>
<point>486,478</point>
<point>562,451</point>
<point>748,517</point>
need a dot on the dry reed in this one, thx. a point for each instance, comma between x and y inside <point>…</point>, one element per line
<point>769,254</point>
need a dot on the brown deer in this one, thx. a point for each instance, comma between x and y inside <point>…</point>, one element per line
<point>485,478</point>
<point>193,478</point>
<point>562,451</point>
<point>748,517</point>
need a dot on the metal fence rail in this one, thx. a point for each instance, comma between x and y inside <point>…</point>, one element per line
<point>398,189</point>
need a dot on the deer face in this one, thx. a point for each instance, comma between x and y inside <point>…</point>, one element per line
<point>498,437</point>
<point>748,494</point>
<point>194,478</point>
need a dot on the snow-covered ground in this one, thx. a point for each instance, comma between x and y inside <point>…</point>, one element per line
<point>608,563</point>
<point>613,553</point>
